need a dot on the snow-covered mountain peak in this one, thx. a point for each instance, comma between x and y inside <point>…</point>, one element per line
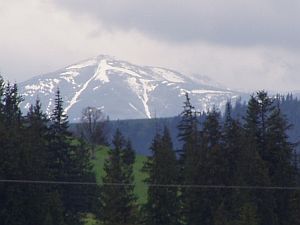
<point>123,90</point>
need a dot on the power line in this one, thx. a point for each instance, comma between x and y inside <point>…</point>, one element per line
<point>200,186</point>
<point>48,182</point>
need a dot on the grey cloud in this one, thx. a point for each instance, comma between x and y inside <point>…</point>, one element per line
<point>235,22</point>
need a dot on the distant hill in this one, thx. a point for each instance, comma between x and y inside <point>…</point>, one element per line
<point>141,131</point>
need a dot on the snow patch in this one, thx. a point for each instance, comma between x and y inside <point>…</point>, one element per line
<point>44,86</point>
<point>183,91</point>
<point>168,75</point>
<point>33,87</point>
<point>142,88</point>
<point>56,81</point>
<point>147,87</point>
<point>209,92</point>
<point>91,62</point>
<point>127,71</point>
<point>48,110</point>
<point>132,106</point>
<point>101,71</point>
<point>69,76</point>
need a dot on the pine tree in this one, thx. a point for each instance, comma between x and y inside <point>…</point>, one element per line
<point>190,162</point>
<point>281,170</point>
<point>118,200</point>
<point>128,160</point>
<point>231,144</point>
<point>60,152</point>
<point>129,156</point>
<point>11,109</point>
<point>59,140</point>
<point>79,199</point>
<point>36,135</point>
<point>12,195</point>
<point>29,150</point>
<point>34,165</point>
<point>188,128</point>
<point>259,110</point>
<point>70,161</point>
<point>254,166</point>
<point>162,205</point>
<point>60,123</point>
<point>231,147</point>
<point>213,167</point>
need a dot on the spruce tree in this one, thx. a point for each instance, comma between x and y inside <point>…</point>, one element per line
<point>260,107</point>
<point>36,137</point>
<point>60,151</point>
<point>12,195</point>
<point>255,151</point>
<point>213,167</point>
<point>187,131</point>
<point>31,150</point>
<point>11,109</point>
<point>117,197</point>
<point>231,144</point>
<point>163,204</point>
<point>128,160</point>
<point>281,170</point>
<point>70,161</point>
<point>59,140</point>
<point>231,147</point>
<point>190,162</point>
<point>34,165</point>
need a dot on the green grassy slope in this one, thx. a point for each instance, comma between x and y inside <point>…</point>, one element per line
<point>140,188</point>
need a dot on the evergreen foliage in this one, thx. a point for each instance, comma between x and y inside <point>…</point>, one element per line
<point>70,162</point>
<point>191,161</point>
<point>163,205</point>
<point>117,196</point>
<point>34,148</point>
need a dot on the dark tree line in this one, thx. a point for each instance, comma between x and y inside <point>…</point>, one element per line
<point>225,167</point>
<point>220,175</point>
<point>36,148</point>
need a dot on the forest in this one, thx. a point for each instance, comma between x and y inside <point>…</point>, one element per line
<point>142,131</point>
<point>228,170</point>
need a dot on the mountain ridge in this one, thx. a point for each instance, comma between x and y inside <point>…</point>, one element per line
<point>123,90</point>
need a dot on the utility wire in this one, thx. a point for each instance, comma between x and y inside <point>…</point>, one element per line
<point>153,185</point>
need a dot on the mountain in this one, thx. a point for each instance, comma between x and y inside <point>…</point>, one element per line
<point>123,90</point>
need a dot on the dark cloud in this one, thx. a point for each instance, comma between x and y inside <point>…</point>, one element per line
<point>237,43</point>
<point>234,22</point>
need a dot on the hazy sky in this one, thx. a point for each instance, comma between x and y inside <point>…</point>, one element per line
<point>241,44</point>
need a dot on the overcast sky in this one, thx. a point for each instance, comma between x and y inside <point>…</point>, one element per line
<point>245,45</point>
